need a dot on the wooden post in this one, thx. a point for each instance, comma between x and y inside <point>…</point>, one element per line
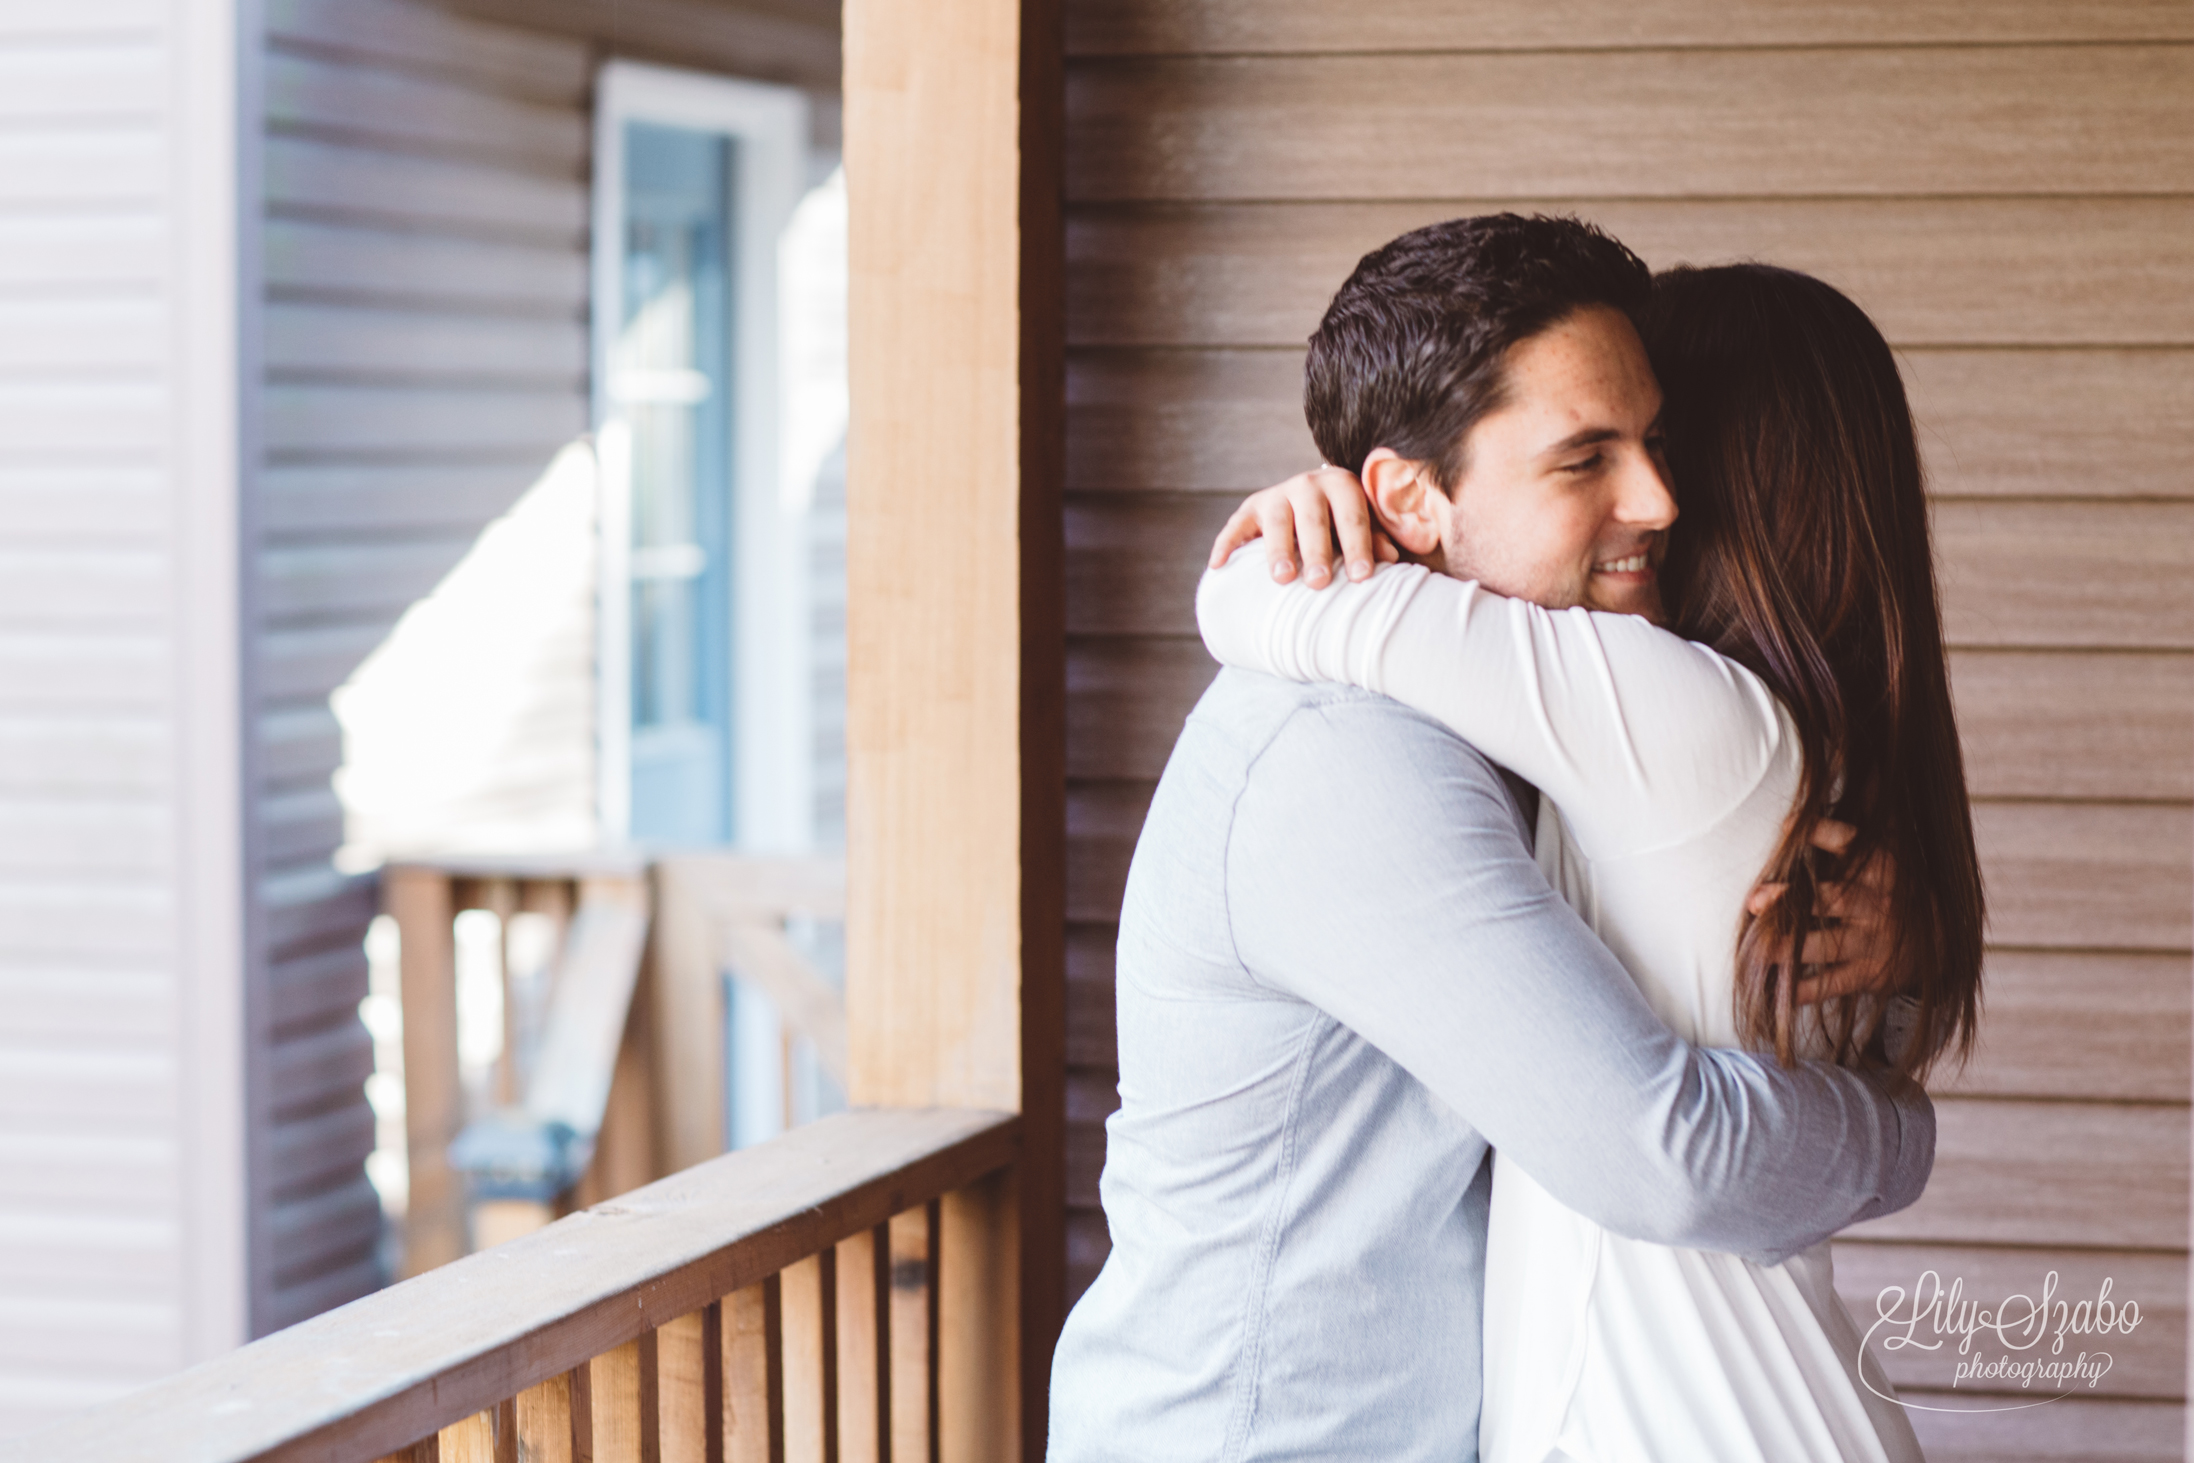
<point>955,622</point>
<point>420,902</point>
<point>687,973</point>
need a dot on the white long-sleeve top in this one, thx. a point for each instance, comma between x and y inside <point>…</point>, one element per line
<point>1667,773</point>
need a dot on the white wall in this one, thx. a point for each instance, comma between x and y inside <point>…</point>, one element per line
<point>121,1071</point>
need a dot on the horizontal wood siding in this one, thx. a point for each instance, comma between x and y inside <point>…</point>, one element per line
<point>423,344</point>
<point>2005,187</point>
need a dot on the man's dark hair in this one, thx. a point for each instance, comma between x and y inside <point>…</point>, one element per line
<point>1409,355</point>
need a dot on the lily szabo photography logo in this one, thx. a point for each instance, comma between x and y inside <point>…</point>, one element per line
<point>2050,1342</point>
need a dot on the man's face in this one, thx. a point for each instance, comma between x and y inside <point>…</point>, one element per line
<point>1564,498</point>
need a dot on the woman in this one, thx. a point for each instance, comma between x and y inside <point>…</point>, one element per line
<point>1805,686</point>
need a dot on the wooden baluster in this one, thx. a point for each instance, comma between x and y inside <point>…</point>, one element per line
<point>864,1297</point>
<point>426,1450</point>
<point>978,1288</point>
<point>754,1374</point>
<point>470,1439</point>
<point>681,1390</point>
<point>499,897</point>
<point>712,1383</point>
<point>543,1422</point>
<point>913,1349</point>
<point>580,1384</point>
<point>617,1405</point>
<point>811,1361</point>
<point>421,903</point>
<point>506,1430</point>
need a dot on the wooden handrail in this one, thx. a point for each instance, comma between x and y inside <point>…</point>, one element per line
<point>433,1353</point>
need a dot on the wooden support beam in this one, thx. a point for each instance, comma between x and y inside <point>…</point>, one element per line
<point>955,616</point>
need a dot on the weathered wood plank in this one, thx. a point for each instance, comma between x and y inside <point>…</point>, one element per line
<point>1993,423</point>
<point>1132,563</point>
<point>2072,724</point>
<point>1126,699</point>
<point>2080,1026</point>
<point>2075,1430</point>
<point>1192,421</point>
<point>1092,1040</point>
<point>1260,27</point>
<point>1699,123</point>
<point>1103,821</point>
<point>2150,1362</point>
<point>2052,423</point>
<point>2067,574</point>
<point>486,1327</point>
<point>2094,876</point>
<point>1931,271</point>
<point>2088,1174</point>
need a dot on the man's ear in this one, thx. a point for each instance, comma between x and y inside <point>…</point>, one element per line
<point>1406,500</point>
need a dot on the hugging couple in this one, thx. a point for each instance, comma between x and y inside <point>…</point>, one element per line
<point>1541,928</point>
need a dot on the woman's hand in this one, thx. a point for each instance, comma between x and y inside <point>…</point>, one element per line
<point>1306,518</point>
<point>1849,949</point>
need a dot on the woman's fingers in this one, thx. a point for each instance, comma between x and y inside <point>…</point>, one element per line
<point>1352,524</point>
<point>1310,519</point>
<point>1833,836</point>
<point>1304,522</point>
<point>1241,528</point>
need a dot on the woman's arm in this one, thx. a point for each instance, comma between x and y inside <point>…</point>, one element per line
<point>1642,738</point>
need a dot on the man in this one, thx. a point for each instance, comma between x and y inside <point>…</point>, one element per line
<point>1341,975</point>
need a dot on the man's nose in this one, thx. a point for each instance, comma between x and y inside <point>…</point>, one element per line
<point>1646,501</point>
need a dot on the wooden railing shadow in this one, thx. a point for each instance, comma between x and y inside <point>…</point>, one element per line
<point>834,1294</point>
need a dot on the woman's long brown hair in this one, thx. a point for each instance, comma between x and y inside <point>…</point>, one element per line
<point>1803,556</point>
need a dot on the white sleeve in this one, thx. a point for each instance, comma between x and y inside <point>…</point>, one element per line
<point>1642,738</point>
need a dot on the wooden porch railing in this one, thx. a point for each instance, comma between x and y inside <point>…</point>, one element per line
<point>829,1295</point>
<point>643,1094</point>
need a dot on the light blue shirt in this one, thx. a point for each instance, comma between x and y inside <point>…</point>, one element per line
<point>1341,977</point>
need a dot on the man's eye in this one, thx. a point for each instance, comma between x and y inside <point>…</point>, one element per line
<point>1587,465</point>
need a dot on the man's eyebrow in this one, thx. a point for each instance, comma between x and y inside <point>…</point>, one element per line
<point>1585,438</point>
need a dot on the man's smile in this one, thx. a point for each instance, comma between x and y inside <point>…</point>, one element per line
<point>1634,564</point>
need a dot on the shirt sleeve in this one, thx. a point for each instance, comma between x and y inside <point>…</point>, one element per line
<point>1376,871</point>
<point>1642,738</point>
